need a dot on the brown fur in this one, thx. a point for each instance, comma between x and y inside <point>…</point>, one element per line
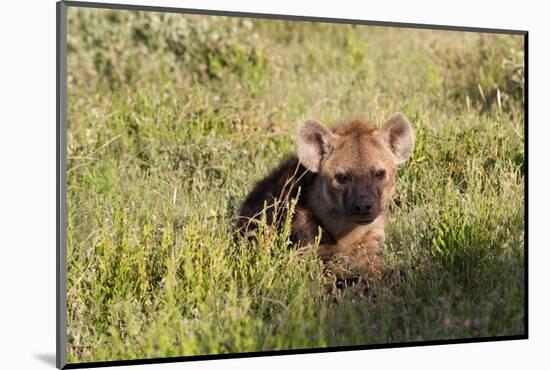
<point>345,178</point>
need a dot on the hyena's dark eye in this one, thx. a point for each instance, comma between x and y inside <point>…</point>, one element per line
<point>380,174</point>
<point>342,178</point>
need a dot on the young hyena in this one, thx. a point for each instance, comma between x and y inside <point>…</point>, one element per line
<point>343,180</point>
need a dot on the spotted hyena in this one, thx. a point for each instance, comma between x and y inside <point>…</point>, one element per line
<point>343,179</point>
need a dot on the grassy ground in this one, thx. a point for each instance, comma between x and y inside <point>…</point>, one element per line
<point>172,118</point>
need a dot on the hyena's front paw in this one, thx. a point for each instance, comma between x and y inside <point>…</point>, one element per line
<point>305,249</point>
<point>350,263</point>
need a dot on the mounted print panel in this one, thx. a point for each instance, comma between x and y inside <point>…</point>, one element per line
<point>241,185</point>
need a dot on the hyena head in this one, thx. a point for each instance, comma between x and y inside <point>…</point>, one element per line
<point>356,164</point>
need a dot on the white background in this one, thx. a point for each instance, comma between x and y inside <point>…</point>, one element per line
<point>27,183</point>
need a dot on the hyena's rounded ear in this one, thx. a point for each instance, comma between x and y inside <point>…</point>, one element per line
<point>400,137</point>
<point>312,143</point>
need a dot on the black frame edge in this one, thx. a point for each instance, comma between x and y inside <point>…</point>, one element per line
<point>61,187</point>
<point>164,9</point>
<point>162,360</point>
<point>526,179</point>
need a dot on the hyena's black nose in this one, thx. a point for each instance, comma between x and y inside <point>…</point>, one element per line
<point>362,206</point>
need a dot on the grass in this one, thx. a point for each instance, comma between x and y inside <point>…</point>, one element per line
<point>172,119</point>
